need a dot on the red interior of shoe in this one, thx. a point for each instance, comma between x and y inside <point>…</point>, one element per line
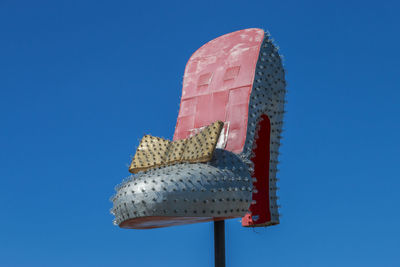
<point>260,212</point>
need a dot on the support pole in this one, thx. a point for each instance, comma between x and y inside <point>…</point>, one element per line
<point>219,243</point>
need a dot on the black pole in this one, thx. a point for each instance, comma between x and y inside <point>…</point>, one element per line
<point>219,243</point>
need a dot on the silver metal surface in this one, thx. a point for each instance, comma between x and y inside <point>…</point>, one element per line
<point>221,188</point>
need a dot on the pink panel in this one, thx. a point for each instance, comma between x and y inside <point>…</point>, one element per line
<point>204,79</point>
<point>219,99</point>
<point>188,107</point>
<point>203,114</point>
<point>237,117</point>
<point>231,73</point>
<point>239,95</point>
<point>183,127</point>
<point>217,82</point>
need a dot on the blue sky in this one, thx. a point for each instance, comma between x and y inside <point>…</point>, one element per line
<point>82,81</point>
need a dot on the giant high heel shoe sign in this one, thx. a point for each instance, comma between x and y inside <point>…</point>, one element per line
<point>222,161</point>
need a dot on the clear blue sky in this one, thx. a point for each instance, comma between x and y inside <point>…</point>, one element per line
<point>82,81</point>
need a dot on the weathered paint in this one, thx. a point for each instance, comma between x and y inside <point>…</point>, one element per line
<point>217,85</point>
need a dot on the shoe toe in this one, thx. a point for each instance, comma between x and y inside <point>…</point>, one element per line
<point>185,193</point>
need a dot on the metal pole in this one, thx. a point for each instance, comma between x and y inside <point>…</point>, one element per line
<point>219,243</point>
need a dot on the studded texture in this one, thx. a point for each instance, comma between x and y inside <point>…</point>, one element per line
<point>267,98</point>
<point>156,152</point>
<point>150,153</point>
<point>220,188</point>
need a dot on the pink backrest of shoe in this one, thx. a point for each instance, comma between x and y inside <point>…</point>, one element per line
<point>217,85</point>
